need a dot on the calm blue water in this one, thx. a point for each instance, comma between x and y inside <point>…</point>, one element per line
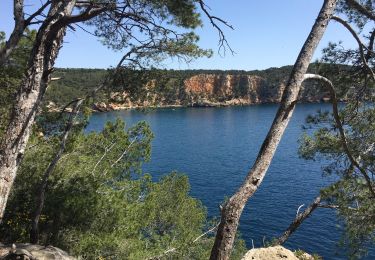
<point>216,147</point>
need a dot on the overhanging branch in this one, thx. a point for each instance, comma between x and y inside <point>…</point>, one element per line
<point>360,44</point>
<point>361,9</point>
<point>28,21</point>
<point>223,43</point>
<point>340,127</point>
<point>20,25</point>
<point>88,14</point>
<point>17,32</point>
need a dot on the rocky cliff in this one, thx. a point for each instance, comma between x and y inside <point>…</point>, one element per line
<point>208,90</point>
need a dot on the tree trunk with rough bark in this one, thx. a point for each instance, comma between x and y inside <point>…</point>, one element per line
<point>232,210</point>
<point>47,44</point>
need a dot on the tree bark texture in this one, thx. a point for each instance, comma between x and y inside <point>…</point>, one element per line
<point>232,209</point>
<point>46,47</point>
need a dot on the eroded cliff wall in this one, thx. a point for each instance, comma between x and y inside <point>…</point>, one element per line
<point>208,90</point>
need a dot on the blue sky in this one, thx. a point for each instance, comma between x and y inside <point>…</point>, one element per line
<point>268,33</point>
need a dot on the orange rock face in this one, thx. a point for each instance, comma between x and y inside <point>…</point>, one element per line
<point>222,87</point>
<point>201,84</point>
<point>207,90</point>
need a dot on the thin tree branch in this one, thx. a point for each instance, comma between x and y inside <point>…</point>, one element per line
<point>297,222</point>
<point>340,127</point>
<point>330,206</point>
<point>207,232</point>
<point>223,43</point>
<point>40,198</point>
<point>106,150</point>
<point>123,153</point>
<point>360,44</point>
<point>88,14</point>
<point>17,32</point>
<point>299,208</point>
<point>20,25</point>
<point>174,249</point>
<point>370,47</point>
<point>28,21</point>
<point>361,9</point>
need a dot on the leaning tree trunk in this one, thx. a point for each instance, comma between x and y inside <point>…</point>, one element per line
<point>47,44</point>
<point>231,211</point>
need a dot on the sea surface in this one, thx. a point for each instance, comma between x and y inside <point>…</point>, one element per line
<point>216,147</point>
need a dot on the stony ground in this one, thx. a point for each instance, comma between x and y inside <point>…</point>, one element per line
<point>32,252</point>
<point>273,253</point>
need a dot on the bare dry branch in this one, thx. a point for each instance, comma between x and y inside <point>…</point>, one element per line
<point>106,150</point>
<point>299,208</point>
<point>330,206</point>
<point>174,249</point>
<point>223,43</point>
<point>17,32</point>
<point>123,153</point>
<point>28,21</point>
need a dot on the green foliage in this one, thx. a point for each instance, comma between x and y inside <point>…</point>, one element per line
<point>302,255</point>
<point>100,204</point>
<point>350,193</point>
<point>73,83</point>
<point>353,16</point>
<point>168,85</point>
<point>148,30</point>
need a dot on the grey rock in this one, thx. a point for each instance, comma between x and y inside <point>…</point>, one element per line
<point>32,252</point>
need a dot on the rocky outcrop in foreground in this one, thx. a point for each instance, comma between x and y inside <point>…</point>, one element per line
<point>32,252</point>
<point>274,253</point>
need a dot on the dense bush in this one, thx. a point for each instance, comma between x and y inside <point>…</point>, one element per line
<point>100,204</point>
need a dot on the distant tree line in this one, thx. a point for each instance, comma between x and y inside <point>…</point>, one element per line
<point>76,82</point>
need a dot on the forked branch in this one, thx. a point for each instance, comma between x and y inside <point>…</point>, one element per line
<point>223,42</point>
<point>20,25</point>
